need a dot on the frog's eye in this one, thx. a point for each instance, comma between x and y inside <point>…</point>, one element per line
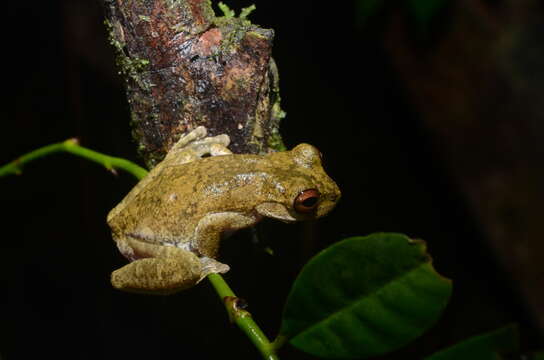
<point>306,201</point>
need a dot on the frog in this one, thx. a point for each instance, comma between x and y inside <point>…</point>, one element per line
<point>170,225</point>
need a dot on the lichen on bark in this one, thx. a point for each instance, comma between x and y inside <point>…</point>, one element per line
<point>184,67</point>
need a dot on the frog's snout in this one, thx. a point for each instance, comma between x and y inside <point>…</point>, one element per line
<point>329,201</point>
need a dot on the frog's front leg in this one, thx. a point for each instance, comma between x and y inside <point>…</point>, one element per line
<point>195,145</point>
<point>156,269</point>
<point>208,233</point>
<point>189,147</point>
<point>212,227</point>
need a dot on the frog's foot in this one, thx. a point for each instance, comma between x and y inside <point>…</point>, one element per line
<point>195,145</point>
<point>178,271</point>
<point>212,266</point>
<point>198,133</point>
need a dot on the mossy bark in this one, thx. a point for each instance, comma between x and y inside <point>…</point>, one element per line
<point>184,67</point>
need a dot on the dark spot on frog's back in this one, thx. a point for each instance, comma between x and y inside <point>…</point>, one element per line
<point>196,184</point>
<point>191,209</point>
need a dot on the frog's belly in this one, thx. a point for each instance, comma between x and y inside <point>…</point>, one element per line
<point>133,248</point>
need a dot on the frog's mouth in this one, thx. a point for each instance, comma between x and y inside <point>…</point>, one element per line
<point>275,210</point>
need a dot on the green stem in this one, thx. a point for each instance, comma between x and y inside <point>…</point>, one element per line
<point>243,318</point>
<point>71,146</point>
<point>278,342</point>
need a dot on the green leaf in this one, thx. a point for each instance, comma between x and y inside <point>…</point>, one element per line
<point>487,346</point>
<point>364,296</point>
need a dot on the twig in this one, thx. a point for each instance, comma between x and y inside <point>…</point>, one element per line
<point>241,317</point>
<point>72,146</point>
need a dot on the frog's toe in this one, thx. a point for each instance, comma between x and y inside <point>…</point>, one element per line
<point>199,132</point>
<point>215,145</point>
<point>196,134</point>
<point>212,266</point>
<point>222,139</point>
<point>219,149</point>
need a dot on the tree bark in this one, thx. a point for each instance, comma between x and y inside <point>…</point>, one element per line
<point>186,67</point>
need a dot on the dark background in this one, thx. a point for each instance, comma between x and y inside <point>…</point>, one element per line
<point>344,90</point>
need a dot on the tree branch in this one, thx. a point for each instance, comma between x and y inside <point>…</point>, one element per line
<point>184,67</point>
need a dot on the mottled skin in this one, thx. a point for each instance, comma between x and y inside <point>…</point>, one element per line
<point>170,224</point>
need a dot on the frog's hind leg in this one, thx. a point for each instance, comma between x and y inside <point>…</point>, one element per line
<point>169,270</point>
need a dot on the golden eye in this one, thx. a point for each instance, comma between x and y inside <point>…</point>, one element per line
<point>306,201</point>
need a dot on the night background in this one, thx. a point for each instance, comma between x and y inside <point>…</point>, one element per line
<point>429,119</point>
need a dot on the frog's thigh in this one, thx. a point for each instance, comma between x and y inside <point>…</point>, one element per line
<point>209,229</point>
<point>173,270</point>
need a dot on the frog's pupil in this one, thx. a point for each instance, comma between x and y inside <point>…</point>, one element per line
<point>310,202</point>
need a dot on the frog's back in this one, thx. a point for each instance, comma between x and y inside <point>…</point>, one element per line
<point>174,195</point>
<point>205,185</point>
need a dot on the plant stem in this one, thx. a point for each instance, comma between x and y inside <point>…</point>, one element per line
<point>242,318</point>
<point>72,146</point>
<point>232,303</point>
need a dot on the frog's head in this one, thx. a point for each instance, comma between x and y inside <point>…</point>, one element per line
<point>302,190</point>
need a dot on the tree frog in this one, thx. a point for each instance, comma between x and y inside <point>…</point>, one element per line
<point>170,224</point>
